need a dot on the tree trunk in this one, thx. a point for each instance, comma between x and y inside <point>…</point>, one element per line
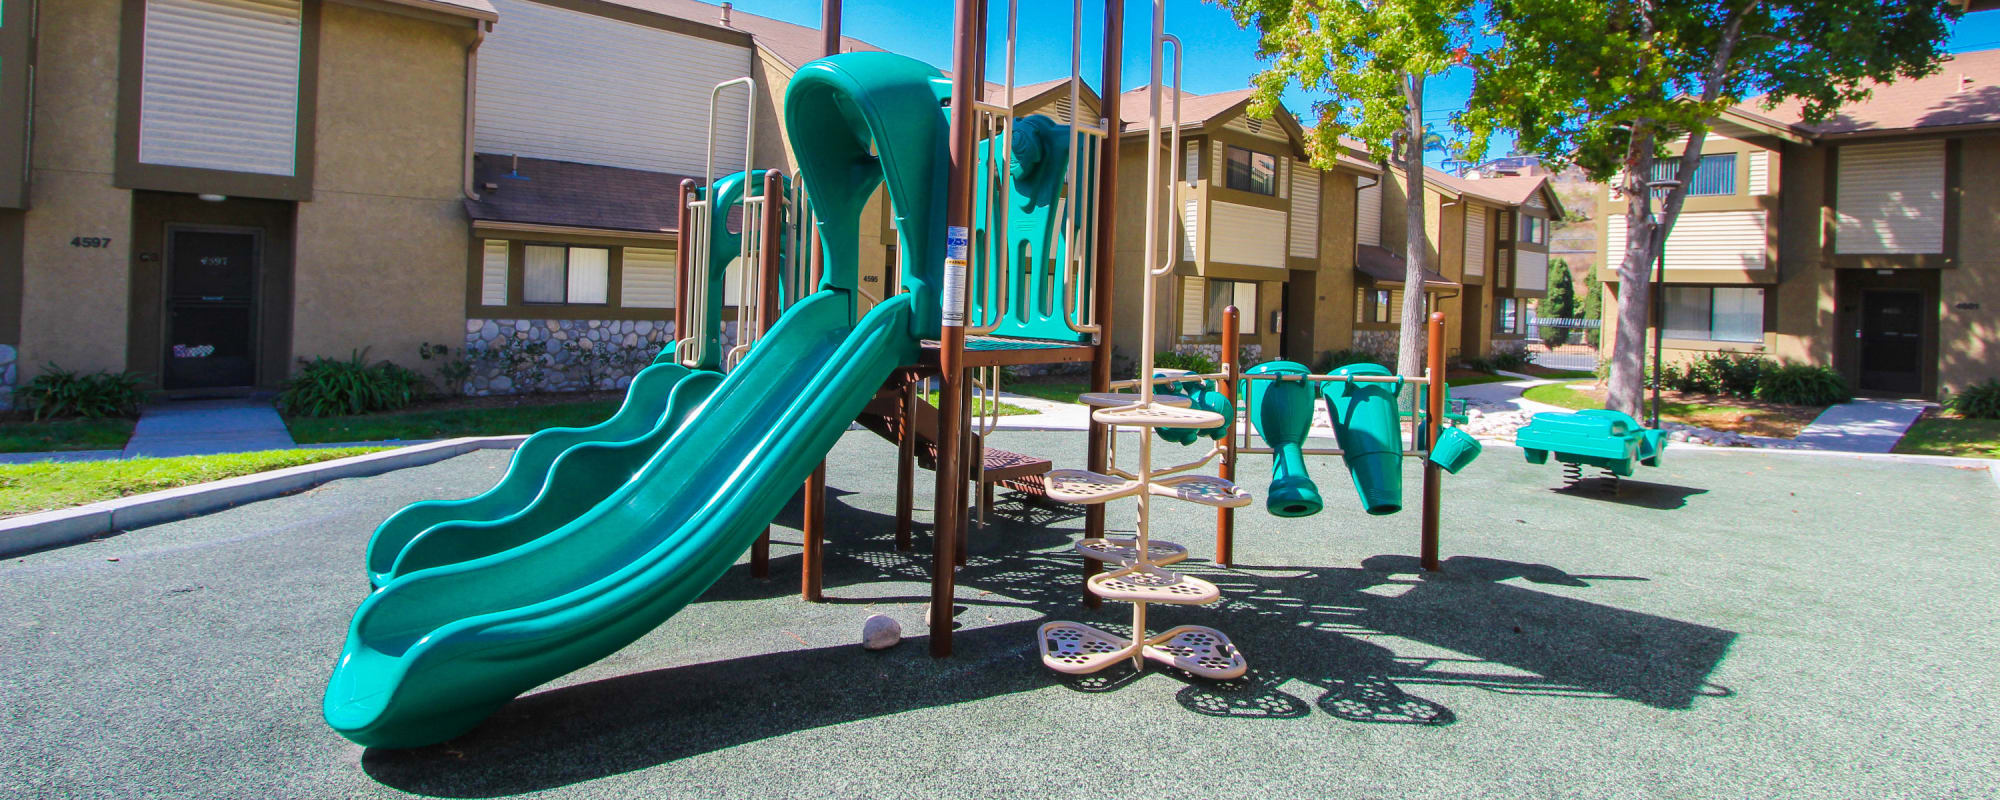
<point>1410,346</point>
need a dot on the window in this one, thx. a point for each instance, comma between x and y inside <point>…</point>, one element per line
<point>1379,308</point>
<point>1507,315</point>
<point>1716,314</point>
<point>1222,295</point>
<point>1251,171</point>
<point>1715,174</point>
<point>559,274</point>
<point>1534,230</point>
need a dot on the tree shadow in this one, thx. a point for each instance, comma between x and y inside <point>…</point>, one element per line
<point>1321,640</point>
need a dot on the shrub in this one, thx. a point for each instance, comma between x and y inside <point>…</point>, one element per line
<point>1193,362</point>
<point>326,387</point>
<point>452,372</point>
<point>1978,401</point>
<point>1732,374</point>
<point>58,392</point>
<point>1510,360</point>
<point>1335,359</point>
<point>1803,385</point>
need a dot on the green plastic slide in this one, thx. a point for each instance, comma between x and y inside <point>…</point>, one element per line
<point>1371,440</point>
<point>1282,411</point>
<point>438,649</point>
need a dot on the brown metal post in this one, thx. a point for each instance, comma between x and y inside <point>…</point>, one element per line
<point>950,502</point>
<point>1225,518</point>
<point>829,27</point>
<point>1434,414</point>
<point>682,235</point>
<point>906,465</point>
<point>768,253</point>
<point>1107,247</point>
<point>814,535</point>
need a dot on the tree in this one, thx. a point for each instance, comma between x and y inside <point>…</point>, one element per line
<point>1589,305</point>
<point>1370,60</point>
<point>1609,84</point>
<point>1560,303</point>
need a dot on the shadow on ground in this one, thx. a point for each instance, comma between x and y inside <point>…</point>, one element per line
<point>1319,634</point>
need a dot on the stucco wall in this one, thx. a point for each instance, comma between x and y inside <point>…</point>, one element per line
<point>381,254</point>
<point>1333,285</point>
<point>74,300</point>
<point>1969,320</point>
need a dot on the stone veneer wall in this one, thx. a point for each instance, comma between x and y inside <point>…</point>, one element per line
<point>1517,346</point>
<point>1379,342</point>
<point>8,374</point>
<point>641,340</point>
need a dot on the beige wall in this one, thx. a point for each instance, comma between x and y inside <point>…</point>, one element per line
<point>1333,284</point>
<point>1969,338</point>
<point>74,300</point>
<point>382,244</point>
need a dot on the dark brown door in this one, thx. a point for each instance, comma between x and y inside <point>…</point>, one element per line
<point>1892,341</point>
<point>211,309</point>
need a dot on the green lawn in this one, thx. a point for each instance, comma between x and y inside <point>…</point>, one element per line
<point>42,486</point>
<point>1475,378</point>
<point>1764,419</point>
<point>1558,374</point>
<point>64,434</point>
<point>1059,391</point>
<point>449,423</point>
<point>979,406</point>
<point>1952,436</point>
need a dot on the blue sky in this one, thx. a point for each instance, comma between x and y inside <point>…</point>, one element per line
<point>1220,56</point>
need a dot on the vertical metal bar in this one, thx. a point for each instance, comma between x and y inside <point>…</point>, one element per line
<point>829,27</point>
<point>967,52</point>
<point>906,464</point>
<point>1225,518</point>
<point>684,220</point>
<point>1107,245</point>
<point>1433,477</point>
<point>773,236</point>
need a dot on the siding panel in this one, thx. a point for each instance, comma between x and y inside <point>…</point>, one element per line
<point>1732,240</point>
<point>1760,172</point>
<point>1194,299</point>
<point>1474,260</point>
<point>1246,235</point>
<point>1890,198</point>
<point>1368,215</point>
<point>1305,212</point>
<point>220,85</point>
<point>493,273</point>
<point>1531,271</point>
<point>570,86</point>
<point>648,279</point>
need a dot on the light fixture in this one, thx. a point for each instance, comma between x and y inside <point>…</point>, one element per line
<point>207,197</point>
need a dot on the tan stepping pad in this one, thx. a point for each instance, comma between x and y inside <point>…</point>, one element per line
<point>1080,649</point>
<point>1201,651</point>
<point>1204,489</point>
<point>1083,487</point>
<point>1117,399</point>
<point>1144,583</point>
<point>1157,415</point>
<point>1126,551</point>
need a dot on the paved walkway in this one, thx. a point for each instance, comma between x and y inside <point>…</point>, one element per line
<point>202,427</point>
<point>1861,426</point>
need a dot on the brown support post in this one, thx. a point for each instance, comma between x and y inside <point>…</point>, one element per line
<point>829,27</point>
<point>681,259</point>
<point>1225,518</point>
<point>906,465</point>
<point>1107,247</point>
<point>950,502</point>
<point>767,310</point>
<point>814,525</point>
<point>1434,414</point>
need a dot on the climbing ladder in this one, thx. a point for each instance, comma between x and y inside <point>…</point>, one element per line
<point>1139,575</point>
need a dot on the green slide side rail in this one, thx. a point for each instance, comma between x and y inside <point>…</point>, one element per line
<point>645,407</point>
<point>438,649</point>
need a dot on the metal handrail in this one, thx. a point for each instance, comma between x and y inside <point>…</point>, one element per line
<point>692,350</point>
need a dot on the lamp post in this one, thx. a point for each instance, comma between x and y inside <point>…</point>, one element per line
<point>1659,292</point>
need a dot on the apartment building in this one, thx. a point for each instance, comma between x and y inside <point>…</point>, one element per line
<point>1862,242</point>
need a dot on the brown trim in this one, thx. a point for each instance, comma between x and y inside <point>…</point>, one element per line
<point>681,25</point>
<point>130,174</point>
<point>426,10</point>
<point>524,230</point>
<point>12,239</point>
<point>17,92</point>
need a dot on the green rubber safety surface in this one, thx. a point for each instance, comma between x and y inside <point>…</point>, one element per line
<point>1734,624</point>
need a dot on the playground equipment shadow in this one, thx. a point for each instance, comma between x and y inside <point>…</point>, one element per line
<point>1759,639</point>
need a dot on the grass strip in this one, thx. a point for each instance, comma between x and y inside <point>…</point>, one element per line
<point>49,485</point>
<point>1952,436</point>
<point>64,434</point>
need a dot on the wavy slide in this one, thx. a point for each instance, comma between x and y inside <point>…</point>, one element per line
<point>437,650</point>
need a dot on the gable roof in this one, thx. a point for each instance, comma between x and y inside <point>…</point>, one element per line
<point>1965,92</point>
<point>1196,109</point>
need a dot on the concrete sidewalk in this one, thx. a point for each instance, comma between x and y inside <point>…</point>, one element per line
<point>203,427</point>
<point>1862,426</point>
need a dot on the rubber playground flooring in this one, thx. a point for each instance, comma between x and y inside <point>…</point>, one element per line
<point>1732,625</point>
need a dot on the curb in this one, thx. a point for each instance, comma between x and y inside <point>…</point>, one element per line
<point>82,523</point>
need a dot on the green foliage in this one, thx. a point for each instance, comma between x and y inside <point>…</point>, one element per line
<point>1589,305</point>
<point>1978,401</point>
<point>326,387</point>
<point>1509,360</point>
<point>46,485</point>
<point>452,371</point>
<point>1734,374</point>
<point>1335,359</point>
<point>1192,362</point>
<point>1802,385</point>
<point>1560,302</point>
<point>58,392</point>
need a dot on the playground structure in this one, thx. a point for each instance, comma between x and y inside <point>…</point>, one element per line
<point>1609,440</point>
<point>1003,243</point>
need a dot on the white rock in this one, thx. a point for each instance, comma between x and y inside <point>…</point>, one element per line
<point>881,632</point>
